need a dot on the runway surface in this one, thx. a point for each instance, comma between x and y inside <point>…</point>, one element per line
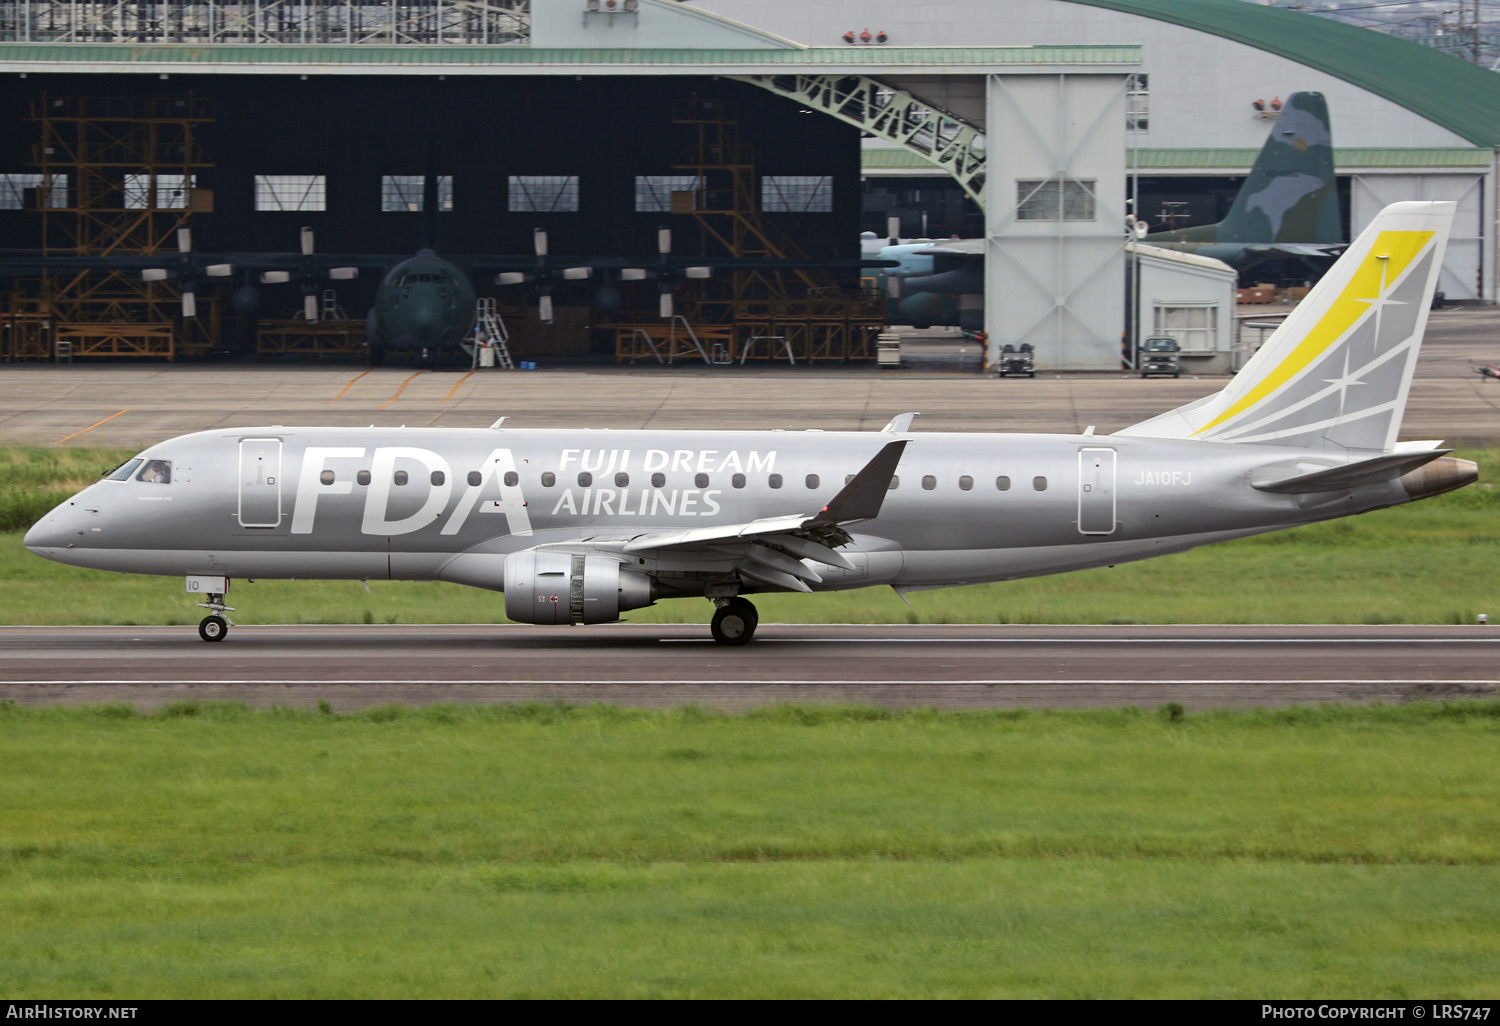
<point>111,404</point>
<point>949,667</point>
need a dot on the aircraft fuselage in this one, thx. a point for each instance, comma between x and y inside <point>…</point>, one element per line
<point>425,303</point>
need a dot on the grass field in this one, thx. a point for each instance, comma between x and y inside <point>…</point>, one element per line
<point>212,851</point>
<point>1428,562</point>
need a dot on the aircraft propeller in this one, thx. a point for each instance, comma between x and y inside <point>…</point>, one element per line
<point>186,272</point>
<point>310,278</point>
<point>542,275</point>
<point>665,273</point>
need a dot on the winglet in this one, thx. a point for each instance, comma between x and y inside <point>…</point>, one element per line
<point>900,424</point>
<point>862,497</point>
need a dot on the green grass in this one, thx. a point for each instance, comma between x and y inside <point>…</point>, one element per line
<point>214,851</point>
<point>1428,562</point>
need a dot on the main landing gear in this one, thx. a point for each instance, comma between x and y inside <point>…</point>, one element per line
<point>734,621</point>
<point>215,626</point>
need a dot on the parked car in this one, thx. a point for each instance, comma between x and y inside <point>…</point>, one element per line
<point>1159,356</point>
<point>1017,361</point>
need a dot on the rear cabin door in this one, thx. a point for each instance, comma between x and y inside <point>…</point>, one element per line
<point>260,482</point>
<point>1096,491</point>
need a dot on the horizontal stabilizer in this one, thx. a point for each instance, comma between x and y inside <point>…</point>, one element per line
<point>1287,481</point>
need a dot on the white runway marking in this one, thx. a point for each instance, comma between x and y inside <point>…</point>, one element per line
<point>657,681</point>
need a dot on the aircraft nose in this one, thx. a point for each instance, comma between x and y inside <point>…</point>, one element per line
<point>41,534</point>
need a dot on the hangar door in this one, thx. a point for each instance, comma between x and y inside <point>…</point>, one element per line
<point>260,482</point>
<point>1459,278</point>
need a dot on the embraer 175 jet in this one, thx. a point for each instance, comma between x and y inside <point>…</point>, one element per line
<point>581,526</point>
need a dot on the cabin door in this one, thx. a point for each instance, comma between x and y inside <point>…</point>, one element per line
<point>1096,491</point>
<point>260,482</point>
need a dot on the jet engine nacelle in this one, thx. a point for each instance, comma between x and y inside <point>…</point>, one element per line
<point>560,587</point>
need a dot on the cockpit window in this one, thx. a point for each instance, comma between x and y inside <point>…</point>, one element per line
<point>421,278</point>
<point>156,472</point>
<point>124,470</point>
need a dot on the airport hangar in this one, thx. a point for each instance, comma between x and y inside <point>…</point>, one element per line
<point>1408,122</point>
<point>553,113</point>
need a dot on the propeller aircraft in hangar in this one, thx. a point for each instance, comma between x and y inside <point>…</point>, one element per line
<point>582,526</point>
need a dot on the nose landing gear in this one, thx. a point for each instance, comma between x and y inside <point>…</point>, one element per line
<point>215,626</point>
<point>734,621</point>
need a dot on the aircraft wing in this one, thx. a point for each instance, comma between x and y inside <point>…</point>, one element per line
<point>1330,250</point>
<point>774,551</point>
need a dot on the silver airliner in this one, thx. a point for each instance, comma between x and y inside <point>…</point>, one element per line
<point>582,526</point>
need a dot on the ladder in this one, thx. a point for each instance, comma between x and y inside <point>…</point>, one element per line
<point>489,329</point>
<point>331,310</point>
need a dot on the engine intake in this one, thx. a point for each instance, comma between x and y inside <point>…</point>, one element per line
<point>561,587</point>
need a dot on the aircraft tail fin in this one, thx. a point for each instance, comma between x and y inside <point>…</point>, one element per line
<point>1336,374</point>
<point>1291,194</point>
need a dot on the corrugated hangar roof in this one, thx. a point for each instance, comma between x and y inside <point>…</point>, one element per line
<point>1462,97</point>
<point>866,60</point>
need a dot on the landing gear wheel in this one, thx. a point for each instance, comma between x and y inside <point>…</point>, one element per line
<point>377,355</point>
<point>734,622</point>
<point>213,628</point>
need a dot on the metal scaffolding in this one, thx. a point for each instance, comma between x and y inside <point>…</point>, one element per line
<point>946,140</point>
<point>318,22</point>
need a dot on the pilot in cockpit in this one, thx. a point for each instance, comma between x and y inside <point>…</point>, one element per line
<point>156,472</point>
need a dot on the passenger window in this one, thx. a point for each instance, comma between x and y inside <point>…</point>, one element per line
<point>929,482</point>
<point>774,481</point>
<point>326,477</point>
<point>437,478</point>
<point>475,477</point>
<point>511,479</point>
<point>402,477</point>
<point>848,478</point>
<point>812,480</point>
<point>585,479</point>
<point>549,479</point>
<point>622,480</point>
<point>1039,483</point>
<point>738,480</point>
<point>363,477</point>
<point>895,483</point>
<point>124,470</point>
<point>1002,483</point>
<point>700,481</point>
<point>658,480</point>
<point>156,472</point>
<point>966,483</point>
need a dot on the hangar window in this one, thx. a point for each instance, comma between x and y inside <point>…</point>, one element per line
<point>658,480</point>
<point>796,194</point>
<point>653,193</point>
<point>172,192</point>
<point>363,477</point>
<point>13,189</point>
<point>403,193</point>
<point>1137,103</point>
<point>544,194</point>
<point>1192,326</point>
<point>549,479</point>
<point>1044,200</point>
<point>291,192</point>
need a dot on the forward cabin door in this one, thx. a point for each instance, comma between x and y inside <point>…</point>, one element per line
<point>1096,491</point>
<point>260,482</point>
